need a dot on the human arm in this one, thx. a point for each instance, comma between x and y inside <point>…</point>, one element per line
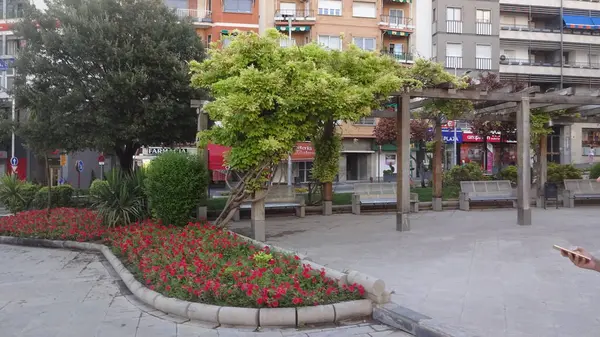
<point>591,264</point>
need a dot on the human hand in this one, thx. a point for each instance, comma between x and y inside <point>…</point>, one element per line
<point>579,261</point>
<point>598,179</point>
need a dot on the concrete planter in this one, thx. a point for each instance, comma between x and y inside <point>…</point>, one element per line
<point>254,317</point>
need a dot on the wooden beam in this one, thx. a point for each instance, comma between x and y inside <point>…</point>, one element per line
<point>497,107</point>
<point>574,100</point>
<point>472,95</point>
<point>557,107</point>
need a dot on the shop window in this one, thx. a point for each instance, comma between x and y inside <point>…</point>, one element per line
<point>304,171</point>
<point>590,139</point>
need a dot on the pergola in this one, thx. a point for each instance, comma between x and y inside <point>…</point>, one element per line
<point>493,105</point>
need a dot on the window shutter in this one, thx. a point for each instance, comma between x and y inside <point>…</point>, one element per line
<point>364,9</point>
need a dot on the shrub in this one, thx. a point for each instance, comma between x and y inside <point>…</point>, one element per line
<point>60,196</point>
<point>509,173</point>
<point>120,199</point>
<point>595,171</point>
<point>467,172</point>
<point>96,186</point>
<point>175,185</point>
<point>558,173</point>
<point>15,194</point>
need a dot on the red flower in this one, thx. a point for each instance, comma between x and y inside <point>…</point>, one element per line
<point>297,300</point>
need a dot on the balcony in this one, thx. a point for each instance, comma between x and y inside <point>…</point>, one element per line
<point>295,15</point>
<point>483,27</point>
<point>198,16</point>
<point>396,23</point>
<point>534,67</point>
<point>483,63</point>
<point>454,62</point>
<point>454,27</point>
<point>400,57</point>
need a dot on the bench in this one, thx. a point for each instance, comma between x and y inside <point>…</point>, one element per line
<point>582,189</point>
<point>279,197</point>
<point>379,194</point>
<point>485,191</point>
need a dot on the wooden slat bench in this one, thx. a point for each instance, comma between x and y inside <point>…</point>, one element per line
<point>279,197</point>
<point>485,191</point>
<point>374,194</point>
<point>582,189</point>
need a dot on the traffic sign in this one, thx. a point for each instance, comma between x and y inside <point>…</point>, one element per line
<point>14,169</point>
<point>6,63</point>
<point>79,166</point>
<point>14,161</point>
<point>101,160</point>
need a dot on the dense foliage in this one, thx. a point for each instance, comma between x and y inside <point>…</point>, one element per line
<point>60,196</point>
<point>595,171</point>
<point>175,185</point>
<point>558,173</point>
<point>509,173</point>
<point>114,70</point>
<point>466,172</point>
<point>59,224</point>
<point>202,263</point>
<point>17,195</point>
<point>120,199</point>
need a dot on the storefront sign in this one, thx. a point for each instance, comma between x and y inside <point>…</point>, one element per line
<point>304,152</point>
<point>158,150</point>
<point>473,138</point>
<point>448,136</point>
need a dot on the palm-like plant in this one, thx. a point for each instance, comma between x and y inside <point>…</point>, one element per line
<point>10,192</point>
<point>121,200</point>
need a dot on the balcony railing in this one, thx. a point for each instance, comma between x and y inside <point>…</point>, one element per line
<point>525,28</point>
<point>285,14</point>
<point>483,27</point>
<point>397,21</point>
<point>454,62</point>
<point>197,15</point>
<point>454,26</point>
<point>400,57</point>
<point>483,63</point>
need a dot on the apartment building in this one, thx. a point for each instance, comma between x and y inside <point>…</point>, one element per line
<point>555,44</point>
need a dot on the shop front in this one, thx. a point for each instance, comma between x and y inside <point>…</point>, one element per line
<point>499,154</point>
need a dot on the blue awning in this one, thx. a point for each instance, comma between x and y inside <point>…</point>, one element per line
<point>579,22</point>
<point>596,22</point>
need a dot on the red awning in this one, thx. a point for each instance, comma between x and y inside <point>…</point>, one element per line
<point>215,157</point>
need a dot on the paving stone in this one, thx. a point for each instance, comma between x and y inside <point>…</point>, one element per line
<point>151,326</point>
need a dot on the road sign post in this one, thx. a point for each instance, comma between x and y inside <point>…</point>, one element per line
<point>14,163</point>
<point>101,163</point>
<point>79,168</point>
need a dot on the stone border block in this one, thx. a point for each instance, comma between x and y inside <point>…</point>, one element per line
<point>330,273</point>
<point>238,316</point>
<point>146,295</point>
<point>171,305</point>
<point>371,284</point>
<point>203,312</point>
<point>316,314</point>
<point>277,317</point>
<point>352,309</point>
<point>261,245</point>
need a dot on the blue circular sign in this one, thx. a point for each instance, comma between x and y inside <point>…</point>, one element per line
<point>14,161</point>
<point>80,165</point>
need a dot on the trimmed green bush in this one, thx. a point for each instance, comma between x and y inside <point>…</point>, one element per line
<point>595,171</point>
<point>558,173</point>
<point>509,173</point>
<point>120,199</point>
<point>466,172</point>
<point>61,196</point>
<point>175,185</point>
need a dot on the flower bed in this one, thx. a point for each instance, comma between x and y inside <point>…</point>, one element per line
<point>204,264</point>
<point>60,224</point>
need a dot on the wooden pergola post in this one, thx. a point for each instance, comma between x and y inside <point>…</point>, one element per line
<point>523,164</point>
<point>403,162</point>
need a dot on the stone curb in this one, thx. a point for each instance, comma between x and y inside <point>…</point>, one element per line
<point>415,323</point>
<point>254,317</point>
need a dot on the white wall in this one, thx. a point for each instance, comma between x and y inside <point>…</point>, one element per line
<point>421,39</point>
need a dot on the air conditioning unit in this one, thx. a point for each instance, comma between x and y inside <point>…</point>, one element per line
<point>503,57</point>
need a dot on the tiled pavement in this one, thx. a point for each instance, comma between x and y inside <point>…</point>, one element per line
<point>61,293</point>
<point>474,269</point>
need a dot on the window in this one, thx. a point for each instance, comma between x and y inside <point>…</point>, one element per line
<point>453,14</point>
<point>364,9</point>
<point>330,42</point>
<point>365,43</point>
<point>330,7</point>
<point>209,38</point>
<point>284,42</point>
<point>237,6</point>
<point>483,15</point>
<point>287,8</point>
<point>366,121</point>
<point>483,56</point>
<point>453,55</point>
<point>396,48</point>
<point>304,171</point>
<point>590,139</point>
<point>226,40</point>
<point>396,17</point>
<point>434,52</point>
<point>434,15</point>
<point>594,60</point>
<point>12,47</point>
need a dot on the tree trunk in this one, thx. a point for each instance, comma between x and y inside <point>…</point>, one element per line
<point>420,162</point>
<point>328,191</point>
<point>437,161</point>
<point>328,133</point>
<point>485,154</point>
<point>125,154</point>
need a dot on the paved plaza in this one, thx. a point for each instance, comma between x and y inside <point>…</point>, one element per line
<point>61,293</point>
<point>475,269</point>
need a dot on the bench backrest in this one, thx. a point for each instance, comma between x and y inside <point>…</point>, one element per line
<point>378,190</point>
<point>281,193</point>
<point>582,186</point>
<point>487,188</point>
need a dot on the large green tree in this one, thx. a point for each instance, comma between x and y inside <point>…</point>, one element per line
<point>115,70</point>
